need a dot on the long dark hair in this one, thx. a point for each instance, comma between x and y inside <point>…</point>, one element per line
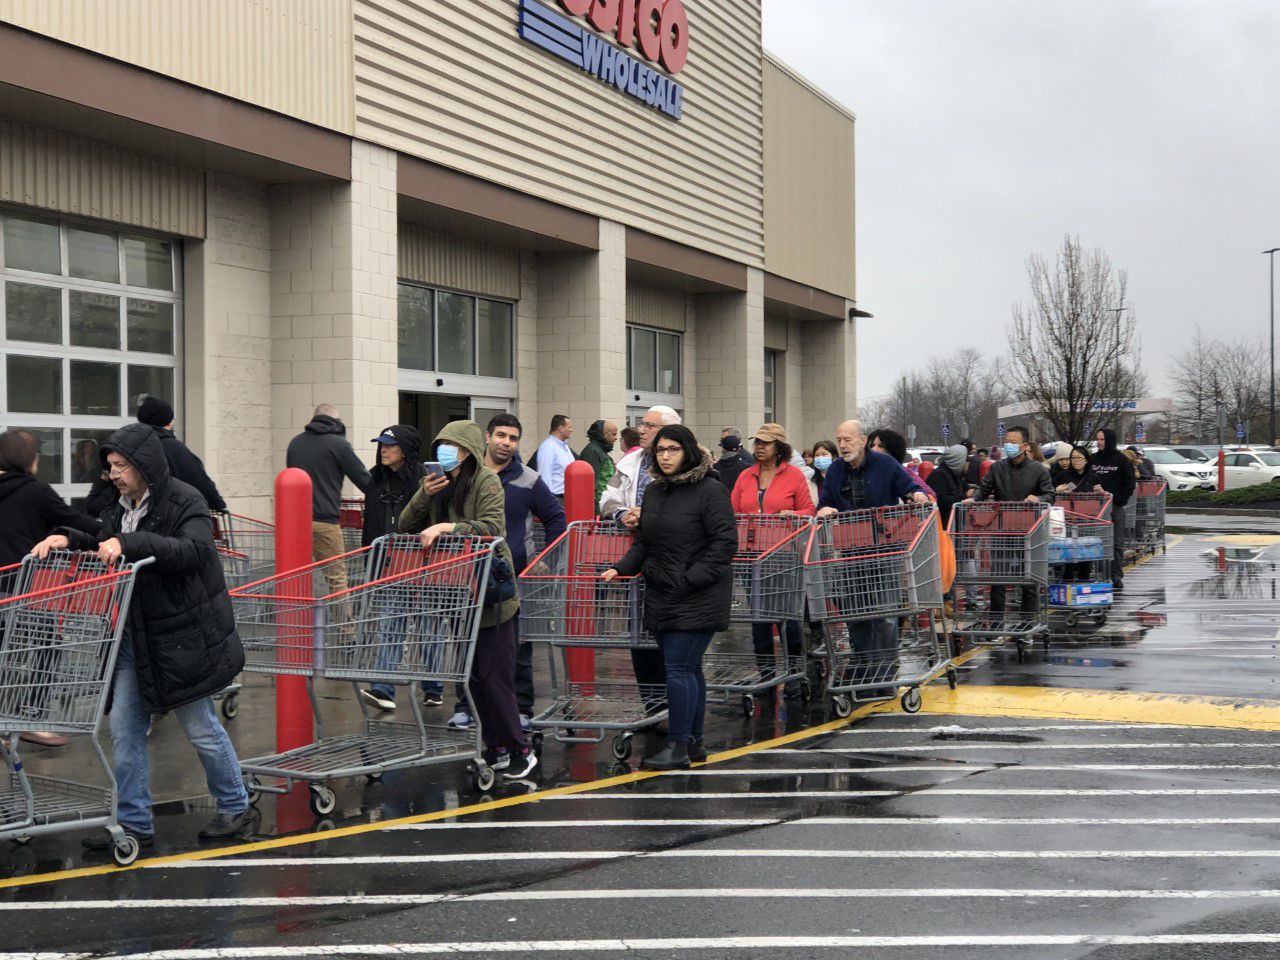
<point>679,433</point>
<point>454,496</point>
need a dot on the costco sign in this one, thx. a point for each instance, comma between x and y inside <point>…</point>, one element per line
<point>657,29</point>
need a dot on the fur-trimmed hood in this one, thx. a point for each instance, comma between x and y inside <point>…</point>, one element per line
<point>699,471</point>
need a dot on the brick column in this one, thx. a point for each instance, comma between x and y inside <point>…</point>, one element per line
<point>582,347</point>
<point>730,360</point>
<point>333,301</point>
<point>830,358</point>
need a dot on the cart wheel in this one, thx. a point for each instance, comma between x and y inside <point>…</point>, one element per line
<point>1022,652</point>
<point>253,787</point>
<point>806,690</point>
<point>952,677</point>
<point>843,706</point>
<point>1073,619</point>
<point>126,851</point>
<point>621,746</point>
<point>230,706</point>
<point>748,706</point>
<point>323,801</point>
<point>536,741</point>
<point>1100,620</point>
<point>483,778</point>
<point>323,826</point>
<point>373,778</point>
<point>911,700</point>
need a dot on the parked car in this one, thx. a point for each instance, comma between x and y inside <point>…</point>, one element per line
<point>1198,454</point>
<point>1248,468</point>
<point>924,453</point>
<point>1179,472</point>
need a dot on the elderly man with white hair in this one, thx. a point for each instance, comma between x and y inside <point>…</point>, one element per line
<point>621,501</point>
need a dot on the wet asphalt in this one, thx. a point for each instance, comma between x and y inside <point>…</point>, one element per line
<point>926,835</point>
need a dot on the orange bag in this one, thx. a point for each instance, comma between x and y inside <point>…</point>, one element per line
<point>946,557</point>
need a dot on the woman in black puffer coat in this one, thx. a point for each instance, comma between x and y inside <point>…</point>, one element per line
<point>684,547</point>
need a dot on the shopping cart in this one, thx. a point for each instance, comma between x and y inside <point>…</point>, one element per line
<point>413,615</point>
<point>60,632</point>
<point>565,604</point>
<point>768,587</point>
<point>351,521</point>
<point>1080,570</point>
<point>874,580</point>
<point>249,538</point>
<point>1147,524</point>
<point>1096,505</point>
<point>537,537</point>
<point>1001,547</point>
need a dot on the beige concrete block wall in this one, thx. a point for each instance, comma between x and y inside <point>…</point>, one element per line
<point>830,360</point>
<point>729,368</point>
<point>791,390</point>
<point>582,350</point>
<point>333,301</point>
<point>227,412</point>
<point>527,361</point>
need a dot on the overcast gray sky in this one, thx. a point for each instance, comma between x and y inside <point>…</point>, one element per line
<point>987,129</point>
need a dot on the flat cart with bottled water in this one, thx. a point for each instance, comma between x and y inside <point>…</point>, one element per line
<point>1080,557</point>
<point>1001,548</point>
<point>874,581</point>
<point>1147,517</point>
<point>768,587</point>
<point>412,614</point>
<point>60,631</point>
<point>565,605</point>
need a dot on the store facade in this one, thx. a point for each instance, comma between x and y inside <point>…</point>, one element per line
<point>417,210</point>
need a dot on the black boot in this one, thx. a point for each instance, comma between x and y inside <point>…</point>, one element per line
<point>674,757</point>
<point>698,750</point>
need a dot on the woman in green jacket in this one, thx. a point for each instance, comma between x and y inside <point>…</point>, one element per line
<point>469,500</point>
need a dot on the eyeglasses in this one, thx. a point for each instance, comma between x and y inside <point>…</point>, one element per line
<point>668,451</point>
<point>119,471</point>
<point>646,425</point>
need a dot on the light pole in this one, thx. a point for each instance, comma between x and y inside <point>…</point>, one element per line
<point>1271,255</point>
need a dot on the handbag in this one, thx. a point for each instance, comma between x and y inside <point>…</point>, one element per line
<point>501,585</point>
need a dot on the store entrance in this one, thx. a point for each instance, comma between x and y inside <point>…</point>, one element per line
<point>429,412</point>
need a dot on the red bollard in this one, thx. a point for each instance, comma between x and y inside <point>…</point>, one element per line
<point>580,504</point>
<point>1222,470</point>
<point>293,550</point>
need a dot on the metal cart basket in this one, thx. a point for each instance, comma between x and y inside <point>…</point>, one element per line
<point>60,631</point>
<point>413,615</point>
<point>1080,570</point>
<point>874,580</point>
<point>1147,524</point>
<point>565,604</point>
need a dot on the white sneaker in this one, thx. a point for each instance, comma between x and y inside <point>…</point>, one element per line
<point>525,723</point>
<point>378,701</point>
<point>460,721</point>
<point>521,766</point>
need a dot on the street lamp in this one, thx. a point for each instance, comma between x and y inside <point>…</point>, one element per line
<point>1271,255</point>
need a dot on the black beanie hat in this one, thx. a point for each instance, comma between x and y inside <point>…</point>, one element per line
<point>155,412</point>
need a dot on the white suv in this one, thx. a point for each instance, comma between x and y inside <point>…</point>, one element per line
<point>1181,473</point>
<point>1247,468</point>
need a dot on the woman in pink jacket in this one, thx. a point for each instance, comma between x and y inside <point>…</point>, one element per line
<point>773,485</point>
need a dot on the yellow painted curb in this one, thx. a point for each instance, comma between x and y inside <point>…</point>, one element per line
<point>1104,705</point>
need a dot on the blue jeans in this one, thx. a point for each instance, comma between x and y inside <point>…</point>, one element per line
<point>129,722</point>
<point>391,650</point>
<point>686,686</point>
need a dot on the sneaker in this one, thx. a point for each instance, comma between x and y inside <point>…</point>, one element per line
<point>102,842</point>
<point>460,721</point>
<point>226,825</point>
<point>497,760</point>
<point>378,701</point>
<point>526,724</point>
<point>698,751</point>
<point>432,699</point>
<point>524,766</point>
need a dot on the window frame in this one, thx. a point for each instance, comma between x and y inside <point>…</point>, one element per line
<point>772,359</point>
<point>655,398</point>
<point>412,380</point>
<point>67,422</point>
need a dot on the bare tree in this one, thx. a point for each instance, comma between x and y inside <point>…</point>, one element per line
<point>1074,347</point>
<point>1197,393</point>
<point>962,390</point>
<point>1219,384</point>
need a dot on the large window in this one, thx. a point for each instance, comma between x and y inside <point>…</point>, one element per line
<point>445,332</point>
<point>90,322</point>
<point>653,361</point>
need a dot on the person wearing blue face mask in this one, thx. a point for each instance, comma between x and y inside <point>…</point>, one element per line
<point>1016,478</point>
<point>824,454</point>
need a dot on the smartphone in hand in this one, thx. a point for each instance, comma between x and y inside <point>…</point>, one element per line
<point>434,469</point>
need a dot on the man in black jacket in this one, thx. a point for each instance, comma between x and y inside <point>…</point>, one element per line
<point>183,464</point>
<point>180,643</point>
<point>1116,476</point>
<point>323,452</point>
<point>733,459</point>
